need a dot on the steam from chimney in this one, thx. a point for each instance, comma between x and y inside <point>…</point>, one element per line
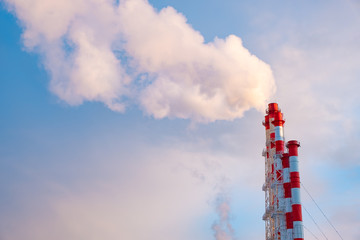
<point>126,52</point>
<point>222,227</point>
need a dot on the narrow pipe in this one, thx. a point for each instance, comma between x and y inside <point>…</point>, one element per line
<point>287,196</point>
<point>298,229</point>
<point>278,123</point>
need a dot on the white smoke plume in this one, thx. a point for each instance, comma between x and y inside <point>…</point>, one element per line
<point>222,228</point>
<point>125,52</point>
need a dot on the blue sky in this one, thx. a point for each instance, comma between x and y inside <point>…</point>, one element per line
<point>94,148</point>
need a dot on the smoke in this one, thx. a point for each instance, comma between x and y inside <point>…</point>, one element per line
<point>222,227</point>
<point>126,52</point>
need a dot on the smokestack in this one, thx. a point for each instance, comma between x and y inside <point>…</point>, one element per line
<point>298,231</point>
<point>274,191</point>
<point>278,123</point>
<point>283,220</point>
<point>287,195</point>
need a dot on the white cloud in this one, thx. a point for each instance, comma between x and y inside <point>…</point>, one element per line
<point>185,77</point>
<point>317,80</point>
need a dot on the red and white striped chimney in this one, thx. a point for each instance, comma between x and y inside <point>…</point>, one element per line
<point>283,218</point>
<point>279,206</point>
<point>287,196</point>
<point>298,229</point>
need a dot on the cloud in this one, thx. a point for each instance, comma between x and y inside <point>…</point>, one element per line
<point>128,52</point>
<point>315,60</point>
<point>158,193</point>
